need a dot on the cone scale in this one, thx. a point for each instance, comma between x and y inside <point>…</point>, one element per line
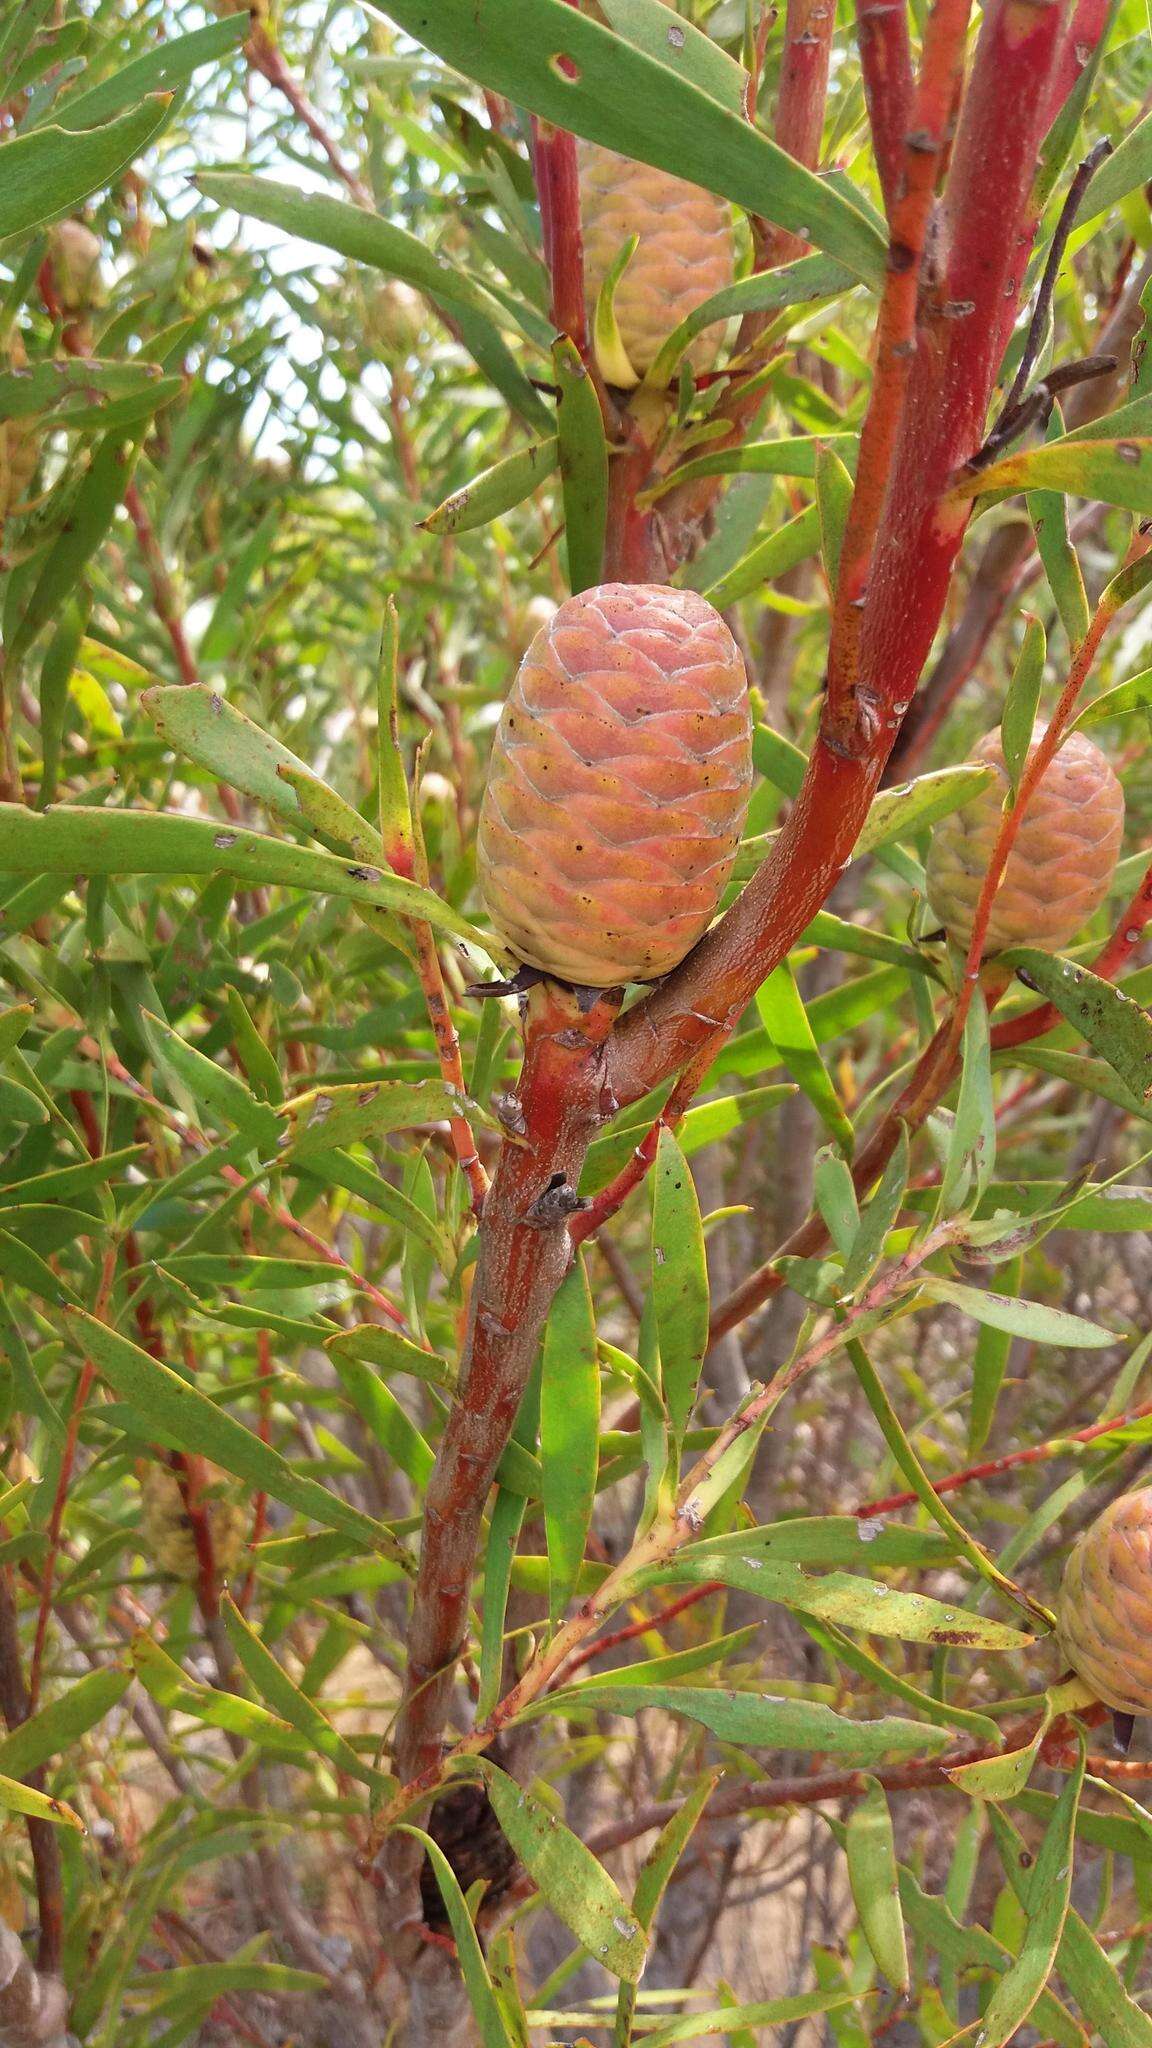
<point>618,785</point>
<point>1061,865</point>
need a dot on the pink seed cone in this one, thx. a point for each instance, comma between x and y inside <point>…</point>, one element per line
<point>684,253</point>
<point>618,785</point>
<point>1061,866</point>
<point>1105,1612</point>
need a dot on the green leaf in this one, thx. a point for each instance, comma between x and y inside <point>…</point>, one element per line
<point>1048,512</point>
<point>833,500</point>
<point>833,1539</point>
<point>1020,705</point>
<point>43,386</point>
<point>612,359</point>
<point>870,1847</point>
<point>1118,702</point>
<point>16,1798</point>
<point>583,465</point>
<point>362,1113</point>
<point>495,490</point>
<point>835,1197</point>
<point>569,1432</point>
<point>972,1149</point>
<point>1111,472</point>
<point>773,556</point>
<point>1031,1319</point>
<point>791,455</point>
<point>974,1947</point>
<point>683,48</point>
<point>1114,1026</point>
<point>73,839</point>
<point>757,1718</point>
<point>391,1352</point>
<point>679,1280</point>
<point>49,171</point>
<point>910,806</point>
<point>1047,1895</point>
<point>839,1597</point>
<point>168,64</point>
<point>390,1424</point>
<point>1129,165</point>
<point>503,1535</point>
<point>202,724</point>
<point>729,2019</point>
<point>571,1881</point>
<point>90,516</point>
<point>614,94</point>
<point>704,1124</point>
<point>286,1700</point>
<point>655,1873</point>
<point>765,291</point>
<point>368,238</point>
<point>55,1728</point>
<point>785,1019</point>
<point>187,1418</point>
<point>211,1086</point>
<point>878,1217</point>
<point>989,1364</point>
<point>482,1998</point>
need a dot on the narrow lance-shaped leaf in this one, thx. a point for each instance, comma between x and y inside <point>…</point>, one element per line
<point>107,842</point>
<point>1114,1026</point>
<point>1032,1319</point>
<point>691,53</point>
<point>758,1718</point>
<point>870,1848</point>
<point>577,1887</point>
<point>90,516</point>
<point>679,1280</point>
<point>49,170</point>
<point>193,1422</point>
<point>574,72</point>
<point>1048,511</point>
<point>361,1113</point>
<point>612,359</point>
<point>658,1868</point>
<point>786,1021</point>
<point>482,1999</point>
<point>272,1682</point>
<point>56,1727</point>
<point>1048,1896</point>
<point>1118,702</point>
<point>495,490</point>
<point>833,500</point>
<point>989,1365</point>
<point>972,1150</point>
<point>583,465</point>
<point>569,1432</point>
<point>1019,714</point>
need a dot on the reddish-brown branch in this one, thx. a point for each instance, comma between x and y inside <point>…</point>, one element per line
<point>617,1637</point>
<point>886,63</point>
<point>941,425</point>
<point>801,99</point>
<point>850,695</point>
<point>770,1794</point>
<point>558,189</point>
<point>991,1468</point>
<point>265,57</point>
<point>15,1707</point>
<point>525,1252</point>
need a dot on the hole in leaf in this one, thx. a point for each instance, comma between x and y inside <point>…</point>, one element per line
<point>565,67</point>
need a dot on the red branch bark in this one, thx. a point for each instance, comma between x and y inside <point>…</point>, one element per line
<point>886,62</point>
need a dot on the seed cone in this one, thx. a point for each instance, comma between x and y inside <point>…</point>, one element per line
<point>168,1530</point>
<point>684,253</point>
<point>1105,1613</point>
<point>1061,864</point>
<point>618,785</point>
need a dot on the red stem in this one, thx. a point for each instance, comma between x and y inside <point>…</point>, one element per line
<point>558,188</point>
<point>1035,1454</point>
<point>886,62</point>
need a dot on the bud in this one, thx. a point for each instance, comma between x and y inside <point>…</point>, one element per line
<point>168,1530</point>
<point>684,253</point>
<point>395,319</point>
<point>19,445</point>
<point>1061,864</point>
<point>74,252</point>
<point>618,785</point>
<point>1105,1612</point>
